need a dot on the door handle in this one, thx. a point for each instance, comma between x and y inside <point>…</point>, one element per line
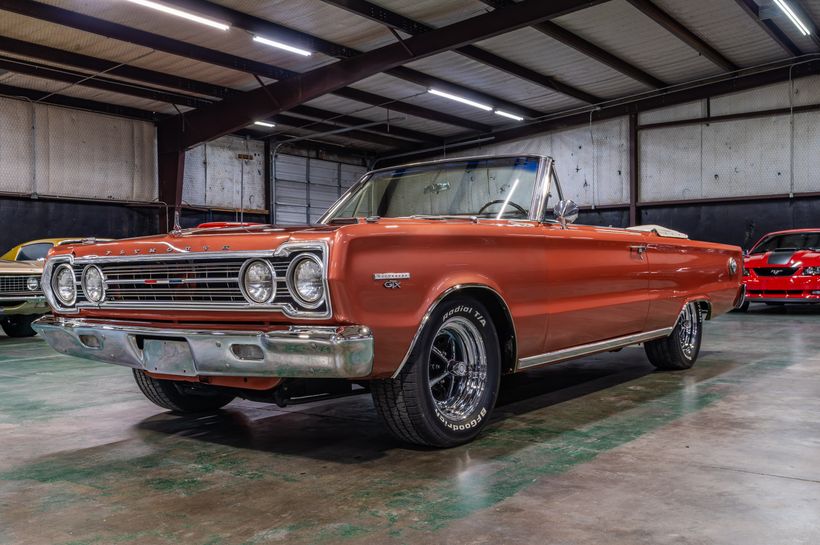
<point>640,248</point>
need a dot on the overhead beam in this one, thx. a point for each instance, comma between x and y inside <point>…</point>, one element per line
<point>718,86</point>
<point>87,23</point>
<point>144,75</point>
<point>685,35</point>
<point>397,21</point>
<point>257,25</point>
<point>238,111</point>
<point>585,47</point>
<point>38,70</point>
<point>78,103</point>
<point>356,134</point>
<point>752,10</point>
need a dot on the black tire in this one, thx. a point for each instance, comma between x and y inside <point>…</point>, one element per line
<point>744,307</point>
<point>19,326</point>
<point>408,403</point>
<point>680,349</point>
<point>171,395</point>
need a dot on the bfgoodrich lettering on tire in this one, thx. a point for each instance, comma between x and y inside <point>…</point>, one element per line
<point>448,387</point>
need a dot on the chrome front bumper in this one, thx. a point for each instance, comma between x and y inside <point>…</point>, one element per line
<point>296,352</point>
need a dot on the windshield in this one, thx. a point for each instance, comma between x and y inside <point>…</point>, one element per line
<point>791,241</point>
<point>33,252</point>
<point>490,187</point>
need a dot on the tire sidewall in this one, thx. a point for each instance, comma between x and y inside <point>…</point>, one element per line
<point>696,351</point>
<point>476,313</point>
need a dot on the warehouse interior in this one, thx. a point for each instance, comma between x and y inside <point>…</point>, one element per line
<point>128,118</point>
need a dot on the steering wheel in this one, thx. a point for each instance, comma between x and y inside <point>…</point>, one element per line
<point>489,204</point>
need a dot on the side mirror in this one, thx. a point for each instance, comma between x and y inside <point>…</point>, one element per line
<point>566,212</point>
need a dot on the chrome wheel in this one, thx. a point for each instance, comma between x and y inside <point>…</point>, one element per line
<point>457,368</point>
<point>689,329</point>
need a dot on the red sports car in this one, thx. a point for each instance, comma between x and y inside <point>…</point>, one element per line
<point>784,267</point>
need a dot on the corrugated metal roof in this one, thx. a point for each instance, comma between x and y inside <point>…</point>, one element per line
<point>616,26</point>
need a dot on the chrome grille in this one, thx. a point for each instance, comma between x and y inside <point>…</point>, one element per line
<point>15,286</point>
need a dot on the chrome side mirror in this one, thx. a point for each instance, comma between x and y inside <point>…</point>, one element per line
<point>566,212</point>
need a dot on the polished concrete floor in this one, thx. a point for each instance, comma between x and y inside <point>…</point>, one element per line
<point>602,450</point>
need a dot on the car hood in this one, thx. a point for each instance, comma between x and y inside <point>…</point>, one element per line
<point>789,258</point>
<point>200,240</point>
<point>20,267</point>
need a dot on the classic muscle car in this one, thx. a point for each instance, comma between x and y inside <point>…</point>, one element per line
<point>424,283</point>
<point>783,267</point>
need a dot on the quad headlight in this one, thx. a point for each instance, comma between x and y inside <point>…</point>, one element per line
<point>811,271</point>
<point>306,280</point>
<point>63,285</point>
<point>93,284</point>
<point>258,281</point>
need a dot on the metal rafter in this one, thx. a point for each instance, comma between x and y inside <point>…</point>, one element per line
<point>144,75</point>
<point>688,37</point>
<point>559,33</point>
<point>397,21</point>
<point>124,33</point>
<point>264,27</point>
<point>181,132</point>
<point>774,32</point>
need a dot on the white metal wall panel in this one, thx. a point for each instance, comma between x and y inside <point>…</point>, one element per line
<point>71,153</point>
<point>806,156</point>
<point>217,177</point>
<point>689,110</point>
<point>351,174</point>
<point>16,147</point>
<point>670,163</point>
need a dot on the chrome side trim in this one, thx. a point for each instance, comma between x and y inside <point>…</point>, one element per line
<point>432,307</point>
<point>295,352</point>
<point>592,348</point>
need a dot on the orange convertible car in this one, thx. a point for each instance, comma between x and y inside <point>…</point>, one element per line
<point>424,283</point>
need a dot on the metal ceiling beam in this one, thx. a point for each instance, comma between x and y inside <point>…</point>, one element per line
<point>263,27</point>
<point>683,34</point>
<point>93,81</point>
<point>769,26</point>
<point>356,134</point>
<point>97,65</point>
<point>664,98</point>
<point>64,17</point>
<point>182,132</point>
<point>44,97</point>
<point>396,21</point>
<point>559,33</point>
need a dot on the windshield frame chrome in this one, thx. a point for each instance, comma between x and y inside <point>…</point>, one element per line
<point>543,177</point>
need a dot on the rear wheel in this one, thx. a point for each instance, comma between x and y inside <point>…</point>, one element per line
<point>448,387</point>
<point>680,349</point>
<point>174,396</point>
<point>744,307</point>
<point>19,326</point>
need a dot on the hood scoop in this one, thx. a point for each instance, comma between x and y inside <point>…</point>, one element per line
<point>780,258</point>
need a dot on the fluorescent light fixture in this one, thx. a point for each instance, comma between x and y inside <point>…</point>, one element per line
<point>784,7</point>
<point>461,99</point>
<point>179,13</point>
<point>280,45</point>
<point>502,113</point>
<point>264,124</point>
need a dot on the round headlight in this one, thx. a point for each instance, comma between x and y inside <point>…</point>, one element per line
<point>259,281</point>
<point>63,285</point>
<point>306,280</point>
<point>32,283</point>
<point>93,284</point>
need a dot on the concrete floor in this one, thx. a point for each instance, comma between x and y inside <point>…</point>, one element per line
<point>602,450</point>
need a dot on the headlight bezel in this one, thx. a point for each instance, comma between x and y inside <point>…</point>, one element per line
<point>274,279</point>
<point>54,285</point>
<point>291,280</point>
<point>84,284</point>
<point>37,282</point>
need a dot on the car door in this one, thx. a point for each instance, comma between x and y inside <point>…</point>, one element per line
<point>597,281</point>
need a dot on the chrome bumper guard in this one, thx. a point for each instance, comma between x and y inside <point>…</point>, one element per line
<point>296,352</point>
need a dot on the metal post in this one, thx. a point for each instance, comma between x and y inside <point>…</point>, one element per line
<point>634,161</point>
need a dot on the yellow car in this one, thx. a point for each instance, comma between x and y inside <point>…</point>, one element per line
<point>21,297</point>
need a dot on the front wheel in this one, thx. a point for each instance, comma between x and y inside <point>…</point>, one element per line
<point>19,326</point>
<point>680,349</point>
<point>448,387</point>
<point>175,397</point>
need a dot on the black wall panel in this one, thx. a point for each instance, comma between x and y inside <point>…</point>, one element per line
<point>25,219</point>
<point>741,222</point>
<point>604,218</point>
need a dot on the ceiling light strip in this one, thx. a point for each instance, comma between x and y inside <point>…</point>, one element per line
<point>785,8</point>
<point>463,100</point>
<point>179,13</point>
<point>280,45</point>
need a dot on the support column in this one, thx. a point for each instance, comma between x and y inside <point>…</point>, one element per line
<point>633,169</point>
<point>171,168</point>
